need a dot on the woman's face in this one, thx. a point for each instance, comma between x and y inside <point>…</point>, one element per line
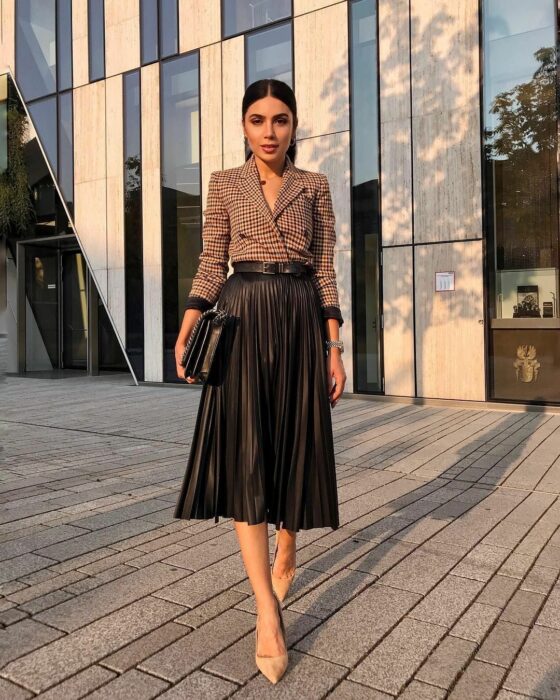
<point>269,122</point>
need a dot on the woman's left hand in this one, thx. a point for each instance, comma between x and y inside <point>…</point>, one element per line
<point>336,374</point>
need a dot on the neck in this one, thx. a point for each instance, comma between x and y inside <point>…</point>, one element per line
<point>269,169</point>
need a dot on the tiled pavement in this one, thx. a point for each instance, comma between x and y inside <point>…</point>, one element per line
<point>442,581</point>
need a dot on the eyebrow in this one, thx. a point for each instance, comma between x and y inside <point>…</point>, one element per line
<point>281,114</point>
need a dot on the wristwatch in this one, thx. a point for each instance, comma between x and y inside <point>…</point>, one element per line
<point>335,344</point>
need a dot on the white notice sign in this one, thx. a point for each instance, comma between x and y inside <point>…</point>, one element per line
<point>445,281</point>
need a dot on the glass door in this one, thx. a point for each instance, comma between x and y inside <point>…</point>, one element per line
<point>74,310</point>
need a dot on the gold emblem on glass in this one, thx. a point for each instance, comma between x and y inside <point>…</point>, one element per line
<point>526,365</point>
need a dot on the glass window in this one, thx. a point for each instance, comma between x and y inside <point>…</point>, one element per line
<point>269,54</point>
<point>96,39</point>
<point>3,123</point>
<point>168,35</point>
<point>66,148</point>
<point>521,197</point>
<point>134,281</point>
<point>242,15</point>
<point>64,44</point>
<point>366,225</point>
<point>149,31</point>
<point>181,205</point>
<point>43,115</point>
<point>36,47</point>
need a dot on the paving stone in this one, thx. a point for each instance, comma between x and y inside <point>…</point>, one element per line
<point>203,585</point>
<point>383,557</point>
<point>354,630</point>
<point>498,591</point>
<point>446,662</point>
<point>502,644</point>
<point>523,608</point>
<point>445,603</point>
<point>212,608</point>
<point>54,662</point>
<point>422,568</point>
<point>22,637</point>
<point>11,616</point>
<point>304,672</point>
<point>56,583</point>
<point>96,539</point>
<point>476,622</point>
<point>9,691</point>
<point>480,681</point>
<point>394,661</point>
<point>188,653</point>
<point>536,670</point>
<point>24,564</point>
<point>539,580</point>
<point>330,595</point>
<point>209,552</point>
<point>131,655</point>
<point>109,562</point>
<point>90,606</point>
<point>132,684</point>
<point>30,543</point>
<point>481,563</point>
<point>550,614</point>
<point>119,515</point>
<point>347,690</point>
<point>422,691</point>
<point>200,685</point>
<point>79,685</point>
<point>509,695</point>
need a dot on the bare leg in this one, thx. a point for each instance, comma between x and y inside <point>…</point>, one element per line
<point>285,562</point>
<point>253,542</point>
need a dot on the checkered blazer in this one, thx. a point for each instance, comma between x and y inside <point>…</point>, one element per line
<point>238,223</point>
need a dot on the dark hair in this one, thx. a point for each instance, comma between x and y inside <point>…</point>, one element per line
<point>276,88</point>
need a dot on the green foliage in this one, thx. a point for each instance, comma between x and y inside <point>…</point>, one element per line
<point>17,212</point>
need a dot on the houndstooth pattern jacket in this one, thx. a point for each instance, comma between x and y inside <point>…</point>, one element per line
<point>239,224</point>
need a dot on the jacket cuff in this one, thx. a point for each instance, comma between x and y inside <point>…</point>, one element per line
<point>333,312</point>
<point>200,303</point>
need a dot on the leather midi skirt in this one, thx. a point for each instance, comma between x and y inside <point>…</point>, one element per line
<point>262,448</point>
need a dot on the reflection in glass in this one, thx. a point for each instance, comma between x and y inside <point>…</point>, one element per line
<point>36,47</point>
<point>168,29</point>
<point>66,148</point>
<point>365,193</point>
<point>520,129</point>
<point>41,293</point>
<point>149,30</point>
<point>64,44</point>
<point>96,39</point>
<point>521,198</point>
<point>134,282</point>
<point>43,114</point>
<point>181,202</point>
<point>241,15</point>
<point>74,311</point>
<point>269,54</point>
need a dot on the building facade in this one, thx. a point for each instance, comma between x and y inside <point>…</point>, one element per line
<point>436,124</point>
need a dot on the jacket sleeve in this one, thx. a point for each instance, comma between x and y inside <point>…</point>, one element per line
<point>322,247</point>
<point>213,260</point>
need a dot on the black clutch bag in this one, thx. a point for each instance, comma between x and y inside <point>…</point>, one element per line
<point>206,337</point>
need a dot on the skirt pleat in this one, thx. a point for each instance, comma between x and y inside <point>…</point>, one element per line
<point>262,448</point>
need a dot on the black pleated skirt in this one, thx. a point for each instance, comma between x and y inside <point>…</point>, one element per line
<point>262,448</point>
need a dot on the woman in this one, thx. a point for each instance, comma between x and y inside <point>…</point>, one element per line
<point>262,449</point>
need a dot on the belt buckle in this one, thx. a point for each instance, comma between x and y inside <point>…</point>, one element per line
<point>269,268</point>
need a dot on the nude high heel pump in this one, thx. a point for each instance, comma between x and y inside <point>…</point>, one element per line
<point>280,585</point>
<point>273,667</point>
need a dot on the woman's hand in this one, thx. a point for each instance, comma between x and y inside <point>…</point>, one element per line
<point>336,373</point>
<point>189,319</point>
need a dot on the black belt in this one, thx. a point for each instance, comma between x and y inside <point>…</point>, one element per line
<point>272,268</point>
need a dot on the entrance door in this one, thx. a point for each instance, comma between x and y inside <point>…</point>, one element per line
<point>74,310</point>
<point>42,308</point>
